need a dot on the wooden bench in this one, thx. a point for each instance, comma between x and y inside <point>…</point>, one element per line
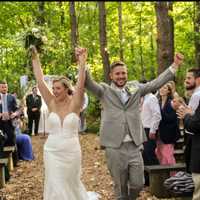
<point>179,155</point>
<point>8,151</point>
<point>158,174</point>
<point>3,162</point>
<point>179,143</point>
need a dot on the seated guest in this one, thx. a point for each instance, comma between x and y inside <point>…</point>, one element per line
<point>24,145</point>
<point>8,111</point>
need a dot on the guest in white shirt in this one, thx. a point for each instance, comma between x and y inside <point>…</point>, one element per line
<point>151,116</point>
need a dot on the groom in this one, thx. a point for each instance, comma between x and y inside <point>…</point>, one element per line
<point>121,131</point>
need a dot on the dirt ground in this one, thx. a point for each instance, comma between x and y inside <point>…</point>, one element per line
<point>26,182</point>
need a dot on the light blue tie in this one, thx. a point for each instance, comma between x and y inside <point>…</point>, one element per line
<point>124,96</point>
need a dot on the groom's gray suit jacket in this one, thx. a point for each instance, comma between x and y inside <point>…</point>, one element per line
<point>115,116</point>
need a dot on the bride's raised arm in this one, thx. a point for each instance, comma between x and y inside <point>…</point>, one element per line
<point>81,55</point>
<point>38,73</point>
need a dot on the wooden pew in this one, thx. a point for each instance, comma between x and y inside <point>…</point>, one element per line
<point>3,162</point>
<point>158,174</point>
<point>8,151</point>
<point>179,155</point>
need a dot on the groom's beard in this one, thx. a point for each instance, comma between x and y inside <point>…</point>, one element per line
<point>120,85</point>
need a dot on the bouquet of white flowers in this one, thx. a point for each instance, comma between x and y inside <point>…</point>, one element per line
<point>35,37</point>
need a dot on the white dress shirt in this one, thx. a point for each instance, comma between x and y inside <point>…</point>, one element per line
<point>194,100</point>
<point>150,113</point>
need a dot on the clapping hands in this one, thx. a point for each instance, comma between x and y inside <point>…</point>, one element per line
<point>182,111</point>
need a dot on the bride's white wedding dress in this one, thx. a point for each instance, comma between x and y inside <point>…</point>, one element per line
<point>62,160</point>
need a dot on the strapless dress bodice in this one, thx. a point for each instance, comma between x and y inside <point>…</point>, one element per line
<point>68,127</point>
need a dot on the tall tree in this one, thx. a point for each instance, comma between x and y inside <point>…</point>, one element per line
<point>74,30</point>
<point>103,40</point>
<point>140,43</point>
<point>120,31</point>
<point>197,33</point>
<point>165,35</point>
<point>152,69</point>
<point>62,13</point>
<point>40,20</point>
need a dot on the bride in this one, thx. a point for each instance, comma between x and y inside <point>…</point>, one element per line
<point>62,152</point>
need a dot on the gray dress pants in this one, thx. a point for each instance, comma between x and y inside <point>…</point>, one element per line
<point>127,170</point>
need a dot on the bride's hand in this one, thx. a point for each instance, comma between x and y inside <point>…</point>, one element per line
<point>34,53</point>
<point>81,56</point>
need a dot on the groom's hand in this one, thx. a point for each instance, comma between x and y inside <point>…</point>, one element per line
<point>81,56</point>
<point>178,60</point>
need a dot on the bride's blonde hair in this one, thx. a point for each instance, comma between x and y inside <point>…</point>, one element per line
<point>65,82</point>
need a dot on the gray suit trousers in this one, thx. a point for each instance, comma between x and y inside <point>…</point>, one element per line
<point>127,170</point>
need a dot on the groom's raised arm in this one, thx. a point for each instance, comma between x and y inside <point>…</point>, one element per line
<point>93,86</point>
<point>164,77</point>
<point>90,84</point>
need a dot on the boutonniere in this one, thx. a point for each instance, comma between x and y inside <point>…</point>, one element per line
<point>131,89</point>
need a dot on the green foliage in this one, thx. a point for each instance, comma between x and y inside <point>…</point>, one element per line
<point>17,18</point>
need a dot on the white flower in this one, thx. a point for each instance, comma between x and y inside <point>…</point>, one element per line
<point>35,30</point>
<point>44,39</point>
<point>131,89</point>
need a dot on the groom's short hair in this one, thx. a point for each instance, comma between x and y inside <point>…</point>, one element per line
<point>116,64</point>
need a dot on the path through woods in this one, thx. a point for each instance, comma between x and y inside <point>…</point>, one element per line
<point>26,181</point>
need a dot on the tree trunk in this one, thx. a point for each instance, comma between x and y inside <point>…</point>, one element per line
<point>141,49</point>
<point>197,33</point>
<point>103,40</point>
<point>62,13</point>
<point>152,68</point>
<point>40,20</point>
<point>120,31</point>
<point>165,35</point>
<point>74,30</point>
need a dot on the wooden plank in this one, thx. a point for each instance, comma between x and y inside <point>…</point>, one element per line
<point>3,160</point>
<point>156,186</point>
<point>177,166</point>
<point>158,174</point>
<point>10,162</point>
<point>2,176</point>
<point>180,140</point>
<point>9,148</point>
<point>178,151</point>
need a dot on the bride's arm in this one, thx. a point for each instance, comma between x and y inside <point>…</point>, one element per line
<point>44,90</point>
<point>78,96</point>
